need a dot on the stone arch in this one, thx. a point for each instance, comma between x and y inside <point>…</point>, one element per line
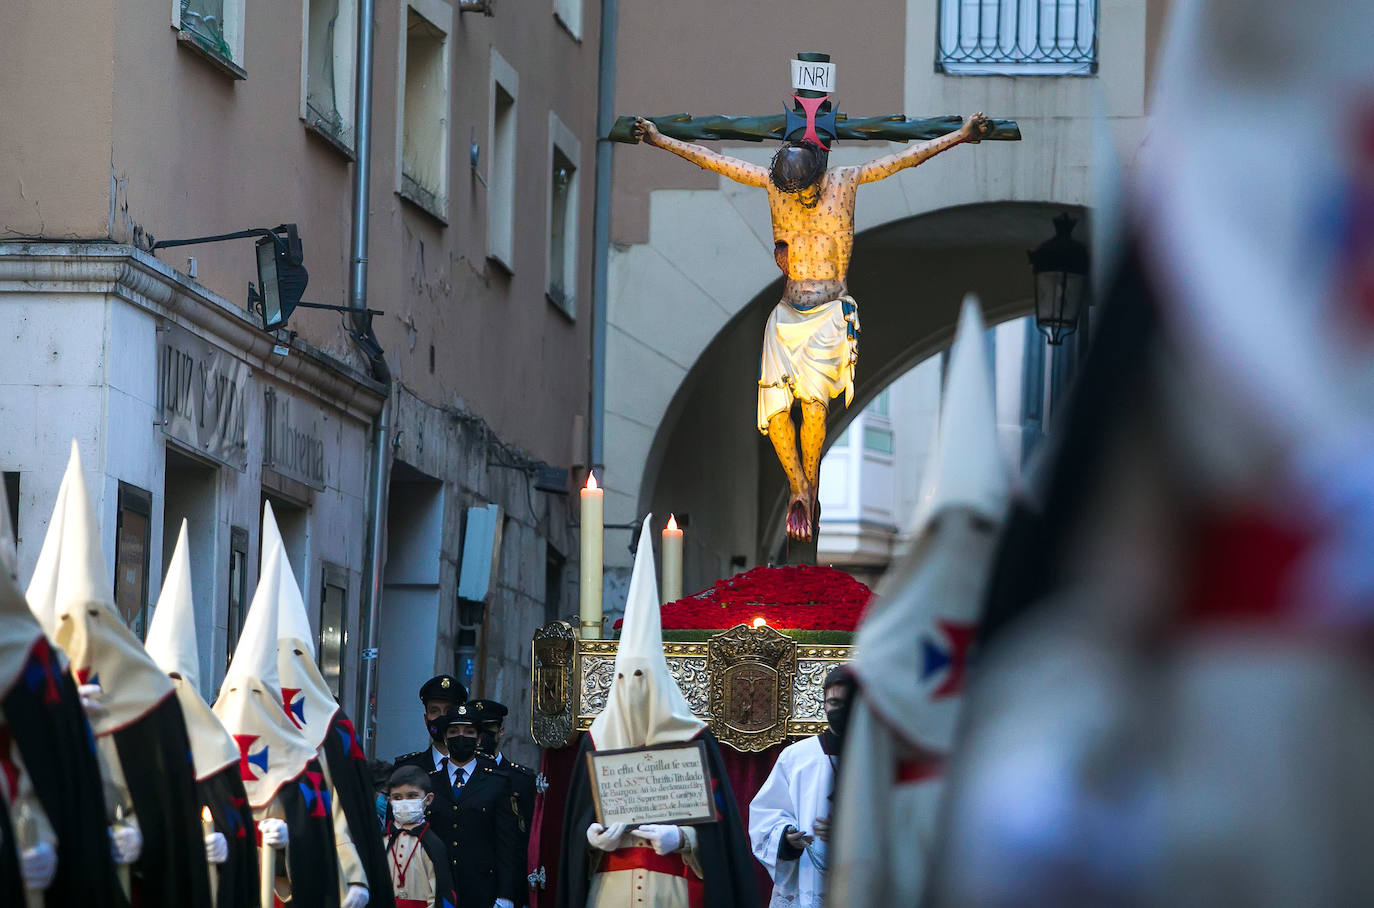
<point>909,276</point>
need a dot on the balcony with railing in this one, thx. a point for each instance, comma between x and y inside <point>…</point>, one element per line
<point>1017,37</point>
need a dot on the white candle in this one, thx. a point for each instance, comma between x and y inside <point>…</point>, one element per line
<point>207,827</point>
<point>672,561</point>
<point>267,875</point>
<point>592,529</point>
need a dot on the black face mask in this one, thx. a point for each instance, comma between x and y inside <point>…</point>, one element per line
<point>838,719</point>
<point>435,734</point>
<point>486,744</point>
<point>461,748</point>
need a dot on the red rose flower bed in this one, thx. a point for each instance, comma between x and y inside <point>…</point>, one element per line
<point>795,597</point>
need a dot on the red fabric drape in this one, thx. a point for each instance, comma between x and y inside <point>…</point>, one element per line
<point>546,828</point>
<point>747,773</point>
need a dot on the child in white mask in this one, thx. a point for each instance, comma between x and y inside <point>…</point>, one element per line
<point>415,855</point>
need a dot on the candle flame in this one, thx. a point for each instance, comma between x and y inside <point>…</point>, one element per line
<point>672,522</point>
<point>204,814</point>
<point>760,622</point>
<point>591,482</point>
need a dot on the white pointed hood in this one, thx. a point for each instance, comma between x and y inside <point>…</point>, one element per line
<point>929,606</point>
<point>42,589</point>
<point>70,594</point>
<point>171,639</point>
<point>645,706</point>
<point>19,629</point>
<point>1258,255</point>
<point>271,750</point>
<point>966,467</point>
<point>171,643</point>
<point>911,649</point>
<point>309,704</point>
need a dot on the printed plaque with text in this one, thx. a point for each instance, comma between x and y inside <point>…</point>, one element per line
<point>665,784</point>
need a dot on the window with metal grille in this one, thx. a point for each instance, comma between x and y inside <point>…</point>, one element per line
<point>1017,37</point>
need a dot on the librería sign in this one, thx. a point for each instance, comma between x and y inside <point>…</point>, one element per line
<point>293,444</point>
<point>664,784</point>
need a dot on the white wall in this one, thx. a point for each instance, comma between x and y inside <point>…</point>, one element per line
<point>80,362</point>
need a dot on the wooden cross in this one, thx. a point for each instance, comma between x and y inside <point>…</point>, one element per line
<point>891,128</point>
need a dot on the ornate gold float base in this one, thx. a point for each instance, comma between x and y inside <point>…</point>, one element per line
<point>755,687</point>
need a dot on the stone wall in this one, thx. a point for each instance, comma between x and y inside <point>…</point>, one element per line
<point>450,443</point>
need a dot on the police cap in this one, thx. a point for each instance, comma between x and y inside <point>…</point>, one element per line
<point>443,687</point>
<point>488,711</point>
<point>462,714</point>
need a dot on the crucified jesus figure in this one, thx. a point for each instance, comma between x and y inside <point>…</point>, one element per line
<point>810,345</point>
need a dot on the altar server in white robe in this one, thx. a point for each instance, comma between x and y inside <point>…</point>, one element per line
<point>789,818</point>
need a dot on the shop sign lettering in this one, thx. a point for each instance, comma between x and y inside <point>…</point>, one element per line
<point>294,445</point>
<point>202,396</point>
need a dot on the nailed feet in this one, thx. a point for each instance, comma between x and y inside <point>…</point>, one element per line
<point>799,518</point>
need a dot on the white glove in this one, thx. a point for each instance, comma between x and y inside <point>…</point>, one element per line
<point>216,848</point>
<point>274,832</point>
<point>38,865</point>
<point>126,844</point>
<point>356,897</point>
<point>91,695</point>
<point>604,839</point>
<point>665,839</point>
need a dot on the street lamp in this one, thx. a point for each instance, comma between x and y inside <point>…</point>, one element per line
<point>281,277</point>
<point>1060,267</point>
<point>281,273</point>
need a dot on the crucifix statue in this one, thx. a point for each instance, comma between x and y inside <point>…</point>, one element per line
<point>810,345</point>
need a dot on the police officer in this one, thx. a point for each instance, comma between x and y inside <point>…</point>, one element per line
<point>491,728</point>
<point>491,731</point>
<point>475,813</point>
<point>437,695</point>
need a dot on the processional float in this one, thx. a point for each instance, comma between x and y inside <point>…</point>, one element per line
<point>751,653</point>
<point>757,683</point>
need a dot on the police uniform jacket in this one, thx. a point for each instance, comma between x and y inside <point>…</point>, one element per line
<point>522,784</point>
<point>422,759</point>
<point>523,789</point>
<point>480,829</point>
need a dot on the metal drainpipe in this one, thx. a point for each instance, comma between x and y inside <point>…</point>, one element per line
<point>367,342</point>
<point>601,231</point>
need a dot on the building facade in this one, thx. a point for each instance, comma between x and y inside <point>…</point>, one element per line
<point>692,276</point>
<point>188,118</point>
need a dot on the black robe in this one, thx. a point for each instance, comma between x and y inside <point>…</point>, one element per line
<point>11,880</point>
<point>155,755</point>
<point>236,883</point>
<point>722,846</point>
<point>353,786</point>
<point>53,738</point>
<point>312,862</point>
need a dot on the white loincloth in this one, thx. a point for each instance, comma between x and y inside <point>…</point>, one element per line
<point>808,355</point>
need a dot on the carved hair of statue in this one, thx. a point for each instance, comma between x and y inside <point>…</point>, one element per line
<point>797,166</point>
